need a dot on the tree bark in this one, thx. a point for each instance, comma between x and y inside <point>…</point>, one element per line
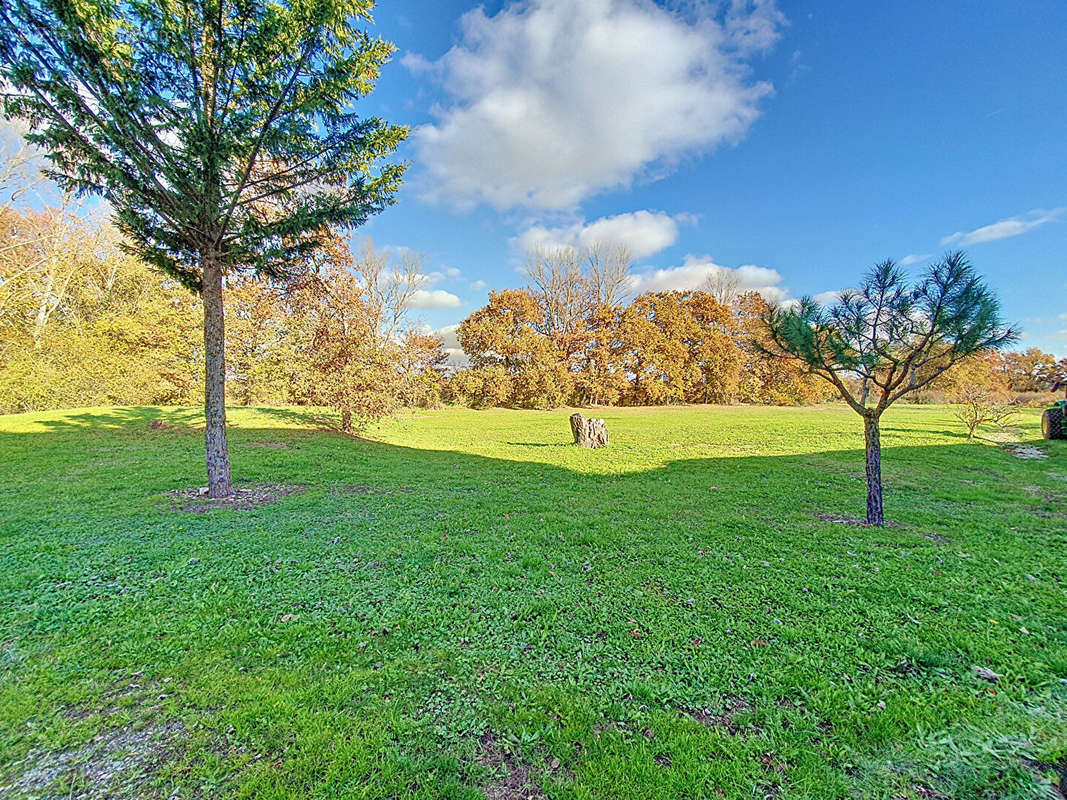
<point>873,442</point>
<point>589,432</point>
<point>218,457</point>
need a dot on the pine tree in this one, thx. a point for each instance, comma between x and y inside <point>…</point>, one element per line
<point>220,132</point>
<point>888,338</point>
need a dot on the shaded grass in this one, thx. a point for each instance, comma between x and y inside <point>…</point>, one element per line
<point>663,618</point>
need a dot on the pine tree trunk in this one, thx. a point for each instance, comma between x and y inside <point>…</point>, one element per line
<point>218,457</point>
<point>873,442</point>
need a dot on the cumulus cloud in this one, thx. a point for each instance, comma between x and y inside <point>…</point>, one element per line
<point>694,271</point>
<point>552,101</point>
<point>644,233</point>
<point>478,285</point>
<point>1005,228</point>
<point>433,298</point>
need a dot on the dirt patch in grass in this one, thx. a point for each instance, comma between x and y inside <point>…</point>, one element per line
<point>119,763</point>
<point>244,497</point>
<point>774,770</point>
<point>1027,451</point>
<point>1042,769</point>
<point>1045,495</point>
<point>726,718</point>
<point>514,783</point>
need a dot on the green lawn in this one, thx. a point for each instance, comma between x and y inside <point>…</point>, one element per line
<point>468,606</point>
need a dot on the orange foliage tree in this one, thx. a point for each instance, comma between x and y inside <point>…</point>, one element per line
<point>507,333</point>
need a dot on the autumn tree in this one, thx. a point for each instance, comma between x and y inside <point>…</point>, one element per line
<point>768,380</point>
<point>580,291</point>
<point>679,347</point>
<point>339,361</point>
<point>598,377</point>
<point>712,344</point>
<point>505,338</point>
<point>894,338</point>
<point>1025,371</point>
<point>42,253</point>
<point>1052,374</point>
<point>347,319</point>
<point>256,338</point>
<point>979,393</point>
<point>83,322</point>
<point>421,361</point>
<point>221,135</point>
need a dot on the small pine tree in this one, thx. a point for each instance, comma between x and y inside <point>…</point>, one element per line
<point>889,338</point>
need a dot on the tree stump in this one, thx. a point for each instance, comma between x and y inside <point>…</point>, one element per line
<point>589,432</point>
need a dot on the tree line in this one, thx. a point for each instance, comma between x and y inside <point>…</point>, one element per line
<point>574,335</point>
<point>84,322</point>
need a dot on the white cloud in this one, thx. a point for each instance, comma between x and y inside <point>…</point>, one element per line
<point>914,258</point>
<point>478,285</point>
<point>643,232</point>
<point>450,341</point>
<point>433,298</point>
<point>555,100</point>
<point>1005,228</point>
<point>450,335</point>
<point>827,298</point>
<point>695,270</point>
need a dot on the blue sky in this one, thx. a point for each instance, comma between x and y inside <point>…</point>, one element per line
<point>805,140</point>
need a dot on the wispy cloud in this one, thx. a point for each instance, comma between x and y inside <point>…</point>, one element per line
<point>914,258</point>
<point>1005,228</point>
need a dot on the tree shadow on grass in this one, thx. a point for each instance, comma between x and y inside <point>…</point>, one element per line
<point>301,453</point>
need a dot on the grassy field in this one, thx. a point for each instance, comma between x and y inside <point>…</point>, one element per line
<point>468,606</point>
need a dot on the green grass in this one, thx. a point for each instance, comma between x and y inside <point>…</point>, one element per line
<point>469,603</point>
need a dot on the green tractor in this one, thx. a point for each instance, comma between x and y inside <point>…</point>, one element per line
<point>1054,420</point>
